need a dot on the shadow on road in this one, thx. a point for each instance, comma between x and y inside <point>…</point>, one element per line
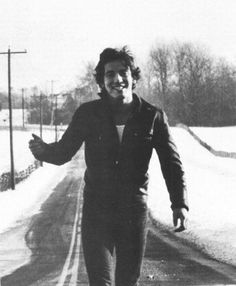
<point>48,238</point>
<point>178,264</point>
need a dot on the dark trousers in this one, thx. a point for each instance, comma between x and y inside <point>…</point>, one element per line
<point>105,229</point>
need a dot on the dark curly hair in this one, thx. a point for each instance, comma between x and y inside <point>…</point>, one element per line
<point>111,54</point>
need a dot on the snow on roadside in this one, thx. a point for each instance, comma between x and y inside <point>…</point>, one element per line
<point>211,185</point>
<point>29,195</point>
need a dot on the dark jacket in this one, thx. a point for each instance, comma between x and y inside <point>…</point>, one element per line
<point>120,170</point>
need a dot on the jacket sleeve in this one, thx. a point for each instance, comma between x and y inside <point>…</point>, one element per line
<point>170,162</point>
<point>62,151</point>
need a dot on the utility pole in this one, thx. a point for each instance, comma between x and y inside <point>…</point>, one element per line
<point>23,108</point>
<point>9,53</point>
<point>41,120</point>
<point>41,115</point>
<point>54,109</point>
<point>55,117</point>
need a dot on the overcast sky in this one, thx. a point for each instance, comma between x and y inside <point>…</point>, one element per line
<point>60,36</point>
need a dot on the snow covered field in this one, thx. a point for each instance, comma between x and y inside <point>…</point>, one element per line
<point>17,117</point>
<point>211,184</point>
<point>219,138</point>
<point>22,155</point>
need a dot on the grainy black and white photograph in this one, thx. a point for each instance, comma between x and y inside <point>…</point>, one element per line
<point>117,143</point>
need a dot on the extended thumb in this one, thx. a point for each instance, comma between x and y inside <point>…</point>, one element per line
<point>36,137</point>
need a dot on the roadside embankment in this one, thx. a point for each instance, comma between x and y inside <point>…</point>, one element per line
<point>218,153</point>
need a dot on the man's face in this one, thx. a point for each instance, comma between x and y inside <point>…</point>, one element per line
<point>118,81</point>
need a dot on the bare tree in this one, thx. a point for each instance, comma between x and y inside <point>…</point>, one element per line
<point>161,58</point>
<point>191,85</point>
<point>87,88</point>
<point>192,68</point>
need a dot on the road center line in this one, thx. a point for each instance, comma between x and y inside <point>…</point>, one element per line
<point>75,267</point>
<point>68,258</point>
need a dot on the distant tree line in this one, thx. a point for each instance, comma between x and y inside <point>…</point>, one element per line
<point>16,101</point>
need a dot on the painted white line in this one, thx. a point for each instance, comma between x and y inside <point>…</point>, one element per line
<point>72,243</point>
<point>75,267</point>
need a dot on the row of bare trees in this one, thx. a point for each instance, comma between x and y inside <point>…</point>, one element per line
<point>190,85</point>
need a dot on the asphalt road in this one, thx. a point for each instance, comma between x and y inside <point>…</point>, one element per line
<point>52,237</point>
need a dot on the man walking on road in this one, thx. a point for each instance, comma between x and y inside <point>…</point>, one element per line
<point>119,130</point>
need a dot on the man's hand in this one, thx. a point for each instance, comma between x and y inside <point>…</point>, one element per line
<point>36,145</point>
<point>180,214</point>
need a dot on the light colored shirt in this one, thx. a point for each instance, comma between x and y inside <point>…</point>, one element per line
<point>120,130</point>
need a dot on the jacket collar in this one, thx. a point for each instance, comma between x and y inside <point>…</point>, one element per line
<point>106,106</point>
